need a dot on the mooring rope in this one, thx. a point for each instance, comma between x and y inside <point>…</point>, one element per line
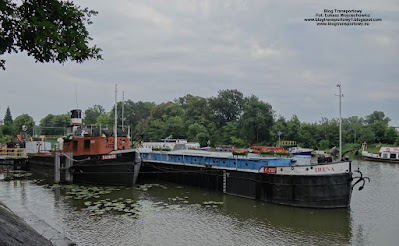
<point>74,160</point>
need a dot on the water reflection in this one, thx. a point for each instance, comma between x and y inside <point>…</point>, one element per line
<point>170,214</point>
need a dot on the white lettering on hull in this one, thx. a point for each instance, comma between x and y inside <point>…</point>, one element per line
<point>325,169</point>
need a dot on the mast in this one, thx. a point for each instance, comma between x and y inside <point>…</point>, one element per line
<point>116,120</point>
<point>340,121</point>
<point>123,109</point>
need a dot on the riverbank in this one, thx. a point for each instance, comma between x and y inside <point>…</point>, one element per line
<point>19,226</point>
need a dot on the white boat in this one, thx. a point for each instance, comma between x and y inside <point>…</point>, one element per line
<point>386,154</point>
<point>300,151</point>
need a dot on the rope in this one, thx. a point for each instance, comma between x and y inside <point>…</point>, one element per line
<point>74,160</point>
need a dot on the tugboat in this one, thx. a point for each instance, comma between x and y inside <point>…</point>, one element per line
<point>99,156</point>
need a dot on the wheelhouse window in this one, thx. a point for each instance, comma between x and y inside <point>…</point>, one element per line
<point>87,144</point>
<point>75,145</point>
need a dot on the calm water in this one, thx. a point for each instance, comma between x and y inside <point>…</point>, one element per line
<point>169,214</point>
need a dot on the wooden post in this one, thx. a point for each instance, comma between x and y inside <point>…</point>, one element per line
<point>57,176</point>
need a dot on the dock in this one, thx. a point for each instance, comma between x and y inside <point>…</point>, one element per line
<point>13,158</point>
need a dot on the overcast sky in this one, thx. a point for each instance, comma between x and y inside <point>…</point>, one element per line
<point>161,50</point>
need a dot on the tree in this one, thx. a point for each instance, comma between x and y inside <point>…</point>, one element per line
<point>306,134</point>
<point>279,126</point>
<point>377,116</point>
<point>366,135</point>
<point>105,119</point>
<point>48,30</point>
<point>227,106</point>
<point>198,132</point>
<point>24,119</point>
<point>135,114</point>
<point>165,119</point>
<point>8,117</point>
<point>256,120</point>
<point>293,126</point>
<point>92,113</point>
<point>54,124</point>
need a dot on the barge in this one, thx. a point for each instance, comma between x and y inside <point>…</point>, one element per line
<point>274,180</point>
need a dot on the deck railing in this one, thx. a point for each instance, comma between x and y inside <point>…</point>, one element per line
<point>13,153</point>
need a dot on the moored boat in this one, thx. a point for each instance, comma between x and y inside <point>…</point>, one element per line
<point>270,179</point>
<point>99,156</point>
<point>300,151</point>
<point>386,154</point>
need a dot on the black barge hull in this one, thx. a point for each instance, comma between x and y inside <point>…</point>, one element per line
<point>91,169</point>
<point>323,191</point>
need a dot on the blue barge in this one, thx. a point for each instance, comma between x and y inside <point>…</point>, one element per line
<point>275,180</point>
<point>222,160</point>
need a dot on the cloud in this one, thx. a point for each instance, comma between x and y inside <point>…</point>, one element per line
<point>160,50</point>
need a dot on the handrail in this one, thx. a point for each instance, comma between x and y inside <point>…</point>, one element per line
<point>13,153</point>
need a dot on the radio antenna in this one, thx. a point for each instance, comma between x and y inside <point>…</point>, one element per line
<point>76,96</point>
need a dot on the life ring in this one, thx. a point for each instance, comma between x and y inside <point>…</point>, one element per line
<point>388,149</point>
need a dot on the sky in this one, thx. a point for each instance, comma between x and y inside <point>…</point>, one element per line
<point>161,50</point>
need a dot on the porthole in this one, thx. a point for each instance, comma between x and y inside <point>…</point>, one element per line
<point>281,169</point>
<point>307,169</point>
<point>311,167</point>
<point>246,163</point>
<point>292,168</point>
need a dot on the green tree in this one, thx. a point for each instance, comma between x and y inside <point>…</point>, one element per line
<point>307,134</point>
<point>328,129</point>
<point>377,116</point>
<point>350,128</point>
<point>279,126</point>
<point>291,132</point>
<point>8,117</point>
<point>135,115</point>
<point>227,106</point>
<point>54,124</point>
<point>165,119</point>
<point>231,134</point>
<point>24,119</point>
<point>48,30</point>
<point>257,120</point>
<point>105,119</point>
<point>92,113</point>
<point>198,132</point>
<point>366,135</point>
<point>390,135</point>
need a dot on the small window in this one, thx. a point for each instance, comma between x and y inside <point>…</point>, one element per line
<point>393,156</point>
<point>75,145</point>
<point>87,144</point>
<point>106,140</point>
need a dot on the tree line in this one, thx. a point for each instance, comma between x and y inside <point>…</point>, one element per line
<point>228,118</point>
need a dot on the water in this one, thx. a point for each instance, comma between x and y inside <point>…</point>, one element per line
<point>169,214</point>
